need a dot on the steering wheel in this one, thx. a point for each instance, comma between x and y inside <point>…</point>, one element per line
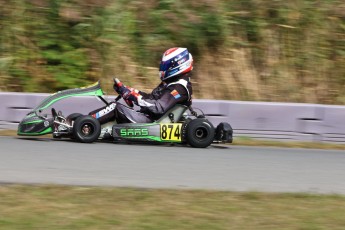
<point>118,97</point>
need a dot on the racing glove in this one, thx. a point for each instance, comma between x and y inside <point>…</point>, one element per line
<point>117,85</point>
<point>129,94</point>
<point>119,88</point>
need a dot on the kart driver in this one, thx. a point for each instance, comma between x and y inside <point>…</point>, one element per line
<point>175,72</point>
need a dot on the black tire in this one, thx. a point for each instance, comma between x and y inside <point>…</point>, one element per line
<point>86,129</point>
<point>200,133</point>
<point>73,117</point>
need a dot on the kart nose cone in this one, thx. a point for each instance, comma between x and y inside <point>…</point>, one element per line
<point>32,125</point>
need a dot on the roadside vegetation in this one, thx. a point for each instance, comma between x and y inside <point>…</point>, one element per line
<point>247,141</point>
<point>63,207</point>
<point>287,51</point>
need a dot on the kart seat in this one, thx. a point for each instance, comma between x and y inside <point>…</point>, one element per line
<point>173,115</point>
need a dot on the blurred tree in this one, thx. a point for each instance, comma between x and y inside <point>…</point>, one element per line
<point>259,50</point>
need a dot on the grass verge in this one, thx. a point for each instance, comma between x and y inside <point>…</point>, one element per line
<point>64,207</point>
<point>287,144</point>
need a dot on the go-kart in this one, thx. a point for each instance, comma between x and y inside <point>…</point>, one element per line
<point>181,124</point>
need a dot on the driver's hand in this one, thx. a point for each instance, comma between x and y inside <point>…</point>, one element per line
<point>129,94</point>
<point>117,85</point>
<point>122,89</point>
<point>129,103</point>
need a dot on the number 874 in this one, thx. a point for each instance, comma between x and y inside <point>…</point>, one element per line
<point>171,132</point>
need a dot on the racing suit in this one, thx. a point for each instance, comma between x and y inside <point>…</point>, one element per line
<point>153,105</point>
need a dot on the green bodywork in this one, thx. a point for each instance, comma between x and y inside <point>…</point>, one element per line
<point>34,125</point>
<point>46,131</point>
<point>142,132</point>
<point>92,90</point>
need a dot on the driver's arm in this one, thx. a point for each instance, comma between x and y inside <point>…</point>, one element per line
<point>155,94</point>
<point>169,97</point>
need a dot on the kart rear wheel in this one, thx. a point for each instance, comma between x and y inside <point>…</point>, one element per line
<point>200,133</point>
<point>86,129</point>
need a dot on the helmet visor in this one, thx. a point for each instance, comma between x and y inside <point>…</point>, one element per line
<point>165,65</point>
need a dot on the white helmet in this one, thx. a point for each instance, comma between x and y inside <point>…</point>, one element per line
<point>175,61</point>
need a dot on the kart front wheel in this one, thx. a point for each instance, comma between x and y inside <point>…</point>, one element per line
<point>200,133</point>
<point>86,129</point>
<point>73,117</point>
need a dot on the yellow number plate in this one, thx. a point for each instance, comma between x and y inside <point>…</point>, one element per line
<point>171,132</point>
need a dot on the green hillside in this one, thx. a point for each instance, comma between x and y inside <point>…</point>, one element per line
<point>289,51</point>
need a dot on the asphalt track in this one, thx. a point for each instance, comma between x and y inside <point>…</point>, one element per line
<point>235,168</point>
